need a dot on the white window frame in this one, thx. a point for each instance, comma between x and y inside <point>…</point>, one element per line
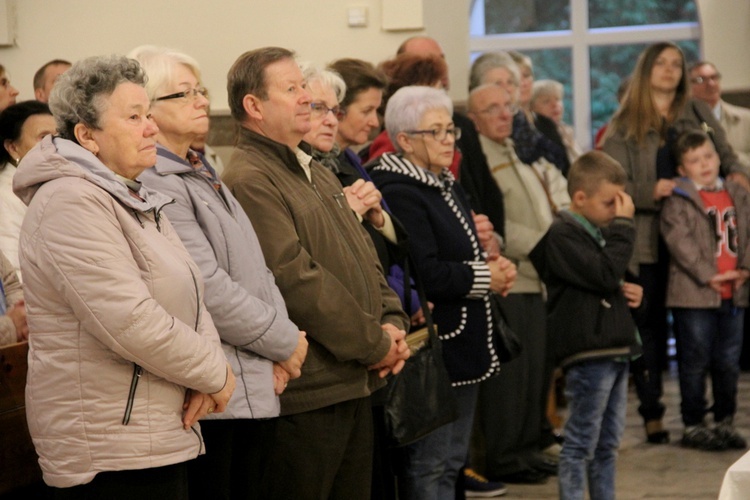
<point>579,38</point>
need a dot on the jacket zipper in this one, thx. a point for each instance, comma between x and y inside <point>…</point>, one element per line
<point>346,241</point>
<point>197,298</point>
<point>137,372</point>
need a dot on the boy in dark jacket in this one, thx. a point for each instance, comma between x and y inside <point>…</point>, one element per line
<point>582,260</point>
<point>706,226</point>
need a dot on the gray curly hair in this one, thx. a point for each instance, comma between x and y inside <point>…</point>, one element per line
<point>78,95</point>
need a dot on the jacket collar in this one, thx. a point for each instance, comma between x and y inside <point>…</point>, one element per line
<point>687,189</point>
<point>256,140</point>
<point>391,162</point>
<point>169,163</point>
<point>55,158</point>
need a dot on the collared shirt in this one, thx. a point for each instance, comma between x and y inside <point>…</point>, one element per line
<point>304,160</point>
<point>593,231</point>
<point>717,110</point>
<point>718,186</point>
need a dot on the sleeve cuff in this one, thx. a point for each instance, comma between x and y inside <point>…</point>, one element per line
<point>388,231</point>
<point>482,278</point>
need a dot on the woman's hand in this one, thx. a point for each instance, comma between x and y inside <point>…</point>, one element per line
<point>221,398</point>
<point>293,365</point>
<point>280,379</point>
<point>502,275</point>
<point>17,314</point>
<point>364,198</point>
<point>663,188</point>
<point>197,405</point>
<point>486,234</point>
<point>740,178</point>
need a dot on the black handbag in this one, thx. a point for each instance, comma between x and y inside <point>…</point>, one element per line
<point>420,398</point>
<point>509,346</point>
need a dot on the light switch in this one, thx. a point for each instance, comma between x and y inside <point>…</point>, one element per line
<point>357,16</point>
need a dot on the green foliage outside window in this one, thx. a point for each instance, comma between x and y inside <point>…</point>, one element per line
<point>608,63</point>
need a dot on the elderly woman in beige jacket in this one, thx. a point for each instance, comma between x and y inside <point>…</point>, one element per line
<point>123,356</point>
<point>511,405</point>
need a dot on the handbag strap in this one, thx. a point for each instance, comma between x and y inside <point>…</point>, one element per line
<point>497,313</point>
<point>408,265</point>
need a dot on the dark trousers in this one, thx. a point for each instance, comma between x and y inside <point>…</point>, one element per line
<point>236,455</point>
<point>322,454</point>
<point>511,405</point>
<point>651,320</point>
<point>709,342</point>
<point>159,483</point>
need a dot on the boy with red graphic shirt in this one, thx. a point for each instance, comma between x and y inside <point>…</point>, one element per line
<point>706,226</point>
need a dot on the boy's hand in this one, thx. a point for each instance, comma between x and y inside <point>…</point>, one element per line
<point>740,280</point>
<point>719,278</point>
<point>624,206</point>
<point>633,294</point>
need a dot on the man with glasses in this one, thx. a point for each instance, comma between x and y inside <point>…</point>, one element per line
<point>705,84</point>
<point>329,277</point>
<point>511,406</point>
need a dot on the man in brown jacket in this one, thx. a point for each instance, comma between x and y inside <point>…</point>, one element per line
<point>327,270</point>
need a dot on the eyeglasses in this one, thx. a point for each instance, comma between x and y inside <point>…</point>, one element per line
<point>497,109</point>
<point>439,134</point>
<point>320,110</point>
<point>699,80</point>
<point>190,95</point>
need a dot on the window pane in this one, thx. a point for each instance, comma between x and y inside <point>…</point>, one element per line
<point>611,13</point>
<point>523,16</point>
<point>611,63</point>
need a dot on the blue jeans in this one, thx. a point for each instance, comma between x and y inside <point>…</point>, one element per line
<point>431,465</point>
<point>597,398</point>
<point>708,341</point>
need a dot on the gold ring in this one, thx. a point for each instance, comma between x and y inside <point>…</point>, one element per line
<point>211,409</point>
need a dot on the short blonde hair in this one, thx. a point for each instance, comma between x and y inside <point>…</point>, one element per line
<point>159,64</point>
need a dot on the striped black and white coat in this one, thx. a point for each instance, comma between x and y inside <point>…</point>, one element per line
<point>449,259</point>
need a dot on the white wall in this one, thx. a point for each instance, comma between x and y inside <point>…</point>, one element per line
<point>215,32</point>
<point>726,40</point>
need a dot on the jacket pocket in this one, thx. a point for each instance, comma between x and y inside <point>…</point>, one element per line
<point>137,372</point>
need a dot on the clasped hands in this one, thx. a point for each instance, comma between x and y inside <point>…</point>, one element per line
<point>502,271</point>
<point>364,198</point>
<point>197,404</point>
<point>397,355</point>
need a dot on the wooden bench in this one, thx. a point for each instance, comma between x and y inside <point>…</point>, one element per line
<point>18,461</point>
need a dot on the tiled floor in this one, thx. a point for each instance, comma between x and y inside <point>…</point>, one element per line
<point>664,471</point>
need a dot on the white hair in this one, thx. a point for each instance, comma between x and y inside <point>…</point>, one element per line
<point>407,107</point>
<point>326,77</point>
<point>159,64</point>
